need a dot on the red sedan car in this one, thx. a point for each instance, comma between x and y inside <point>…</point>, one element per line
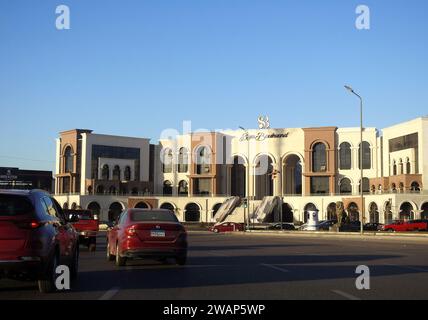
<point>144,233</point>
<point>406,226</point>
<point>227,227</point>
<point>35,238</point>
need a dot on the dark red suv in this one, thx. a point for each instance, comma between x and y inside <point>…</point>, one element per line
<point>143,233</point>
<point>35,238</point>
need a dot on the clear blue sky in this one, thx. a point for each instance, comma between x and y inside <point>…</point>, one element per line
<point>138,67</point>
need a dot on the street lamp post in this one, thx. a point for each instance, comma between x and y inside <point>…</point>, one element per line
<point>247,217</point>
<point>361,156</point>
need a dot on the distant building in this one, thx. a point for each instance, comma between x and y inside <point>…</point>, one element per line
<point>14,178</point>
<point>302,169</point>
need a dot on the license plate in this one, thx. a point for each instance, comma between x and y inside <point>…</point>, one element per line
<point>157,233</point>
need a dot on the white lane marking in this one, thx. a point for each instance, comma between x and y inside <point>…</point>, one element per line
<point>110,294</point>
<point>275,267</point>
<point>346,295</point>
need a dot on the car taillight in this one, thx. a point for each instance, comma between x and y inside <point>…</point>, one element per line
<point>131,231</point>
<point>30,225</point>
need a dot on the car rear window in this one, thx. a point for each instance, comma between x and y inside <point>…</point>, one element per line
<point>147,216</point>
<point>13,205</point>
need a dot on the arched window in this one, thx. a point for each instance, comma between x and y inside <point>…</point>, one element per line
<point>238,177</point>
<point>394,168</point>
<point>374,213</point>
<point>401,166</point>
<point>116,173</point>
<point>408,166</point>
<point>263,177</point>
<point>183,188</point>
<point>415,187</point>
<point>319,158</point>
<point>95,208</point>
<point>167,161</point>
<point>168,206</point>
<point>183,160</point>
<point>100,189</point>
<point>353,212</point>
<point>394,187</point>
<point>68,160</point>
<point>366,186</point>
<point>192,213</point>
<point>345,156</point>
<point>112,190</point>
<point>127,173</point>
<point>407,211</point>
<point>345,186</point>
<point>367,162</point>
<point>167,188</point>
<point>203,161</point>
<point>105,173</point>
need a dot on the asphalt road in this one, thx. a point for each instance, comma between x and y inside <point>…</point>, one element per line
<point>253,267</point>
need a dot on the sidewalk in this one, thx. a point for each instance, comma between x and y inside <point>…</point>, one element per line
<point>354,235</point>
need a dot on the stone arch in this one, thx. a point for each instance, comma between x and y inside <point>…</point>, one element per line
<point>238,177</point>
<point>115,209</point>
<point>192,212</point>
<point>292,177</point>
<point>168,206</point>
<point>264,183</point>
<point>142,205</point>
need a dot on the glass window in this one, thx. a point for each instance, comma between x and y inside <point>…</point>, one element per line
<point>167,161</point>
<point>320,185</point>
<point>319,158</point>
<point>183,160</point>
<point>183,187</point>
<point>105,173</point>
<point>68,160</point>
<point>345,186</point>
<point>203,161</point>
<point>367,161</point>
<point>203,186</point>
<point>167,188</point>
<point>345,156</point>
<point>116,173</point>
<point>127,173</point>
<point>101,151</point>
<point>158,216</point>
<point>366,185</point>
<point>12,205</point>
<point>50,208</point>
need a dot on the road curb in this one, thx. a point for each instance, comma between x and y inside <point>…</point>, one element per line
<point>348,235</point>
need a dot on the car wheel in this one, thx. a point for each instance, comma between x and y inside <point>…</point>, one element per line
<point>47,284</point>
<point>181,260</point>
<point>120,261</point>
<point>215,230</point>
<point>110,257</point>
<point>74,267</point>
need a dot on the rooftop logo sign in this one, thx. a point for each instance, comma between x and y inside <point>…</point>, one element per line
<point>261,136</point>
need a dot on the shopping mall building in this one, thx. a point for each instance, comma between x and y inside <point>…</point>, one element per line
<point>280,171</point>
